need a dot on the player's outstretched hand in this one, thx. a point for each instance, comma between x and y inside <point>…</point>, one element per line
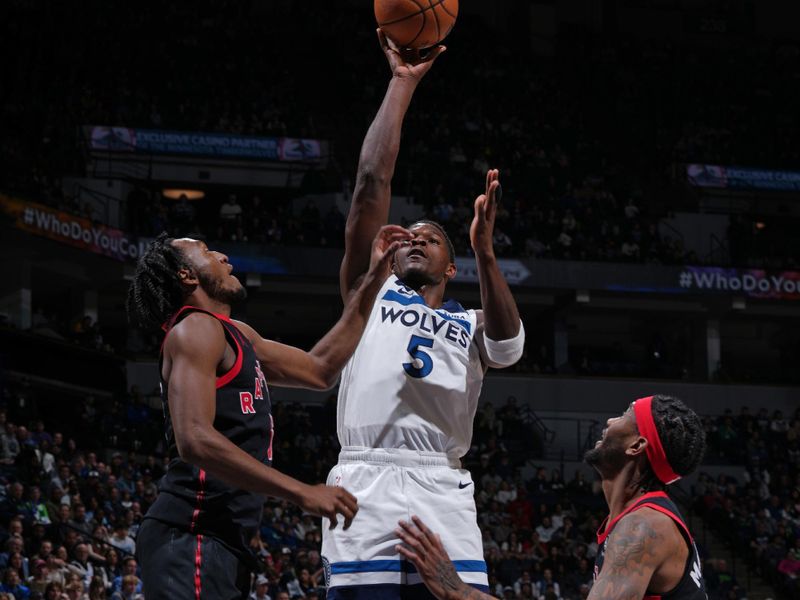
<point>425,551</point>
<point>329,501</point>
<point>408,62</point>
<point>385,244</point>
<point>482,229</point>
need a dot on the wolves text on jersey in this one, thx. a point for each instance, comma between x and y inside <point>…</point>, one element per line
<point>439,326</point>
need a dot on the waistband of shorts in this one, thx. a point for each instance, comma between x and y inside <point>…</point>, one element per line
<point>397,457</point>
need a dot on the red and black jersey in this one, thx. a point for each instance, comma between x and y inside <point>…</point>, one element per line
<point>691,586</point>
<point>191,499</point>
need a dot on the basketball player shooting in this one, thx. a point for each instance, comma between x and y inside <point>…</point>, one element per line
<point>408,396</point>
<point>194,541</point>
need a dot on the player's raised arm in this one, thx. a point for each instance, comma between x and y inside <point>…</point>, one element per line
<point>370,206</point>
<point>503,336</point>
<point>319,368</point>
<point>193,352</point>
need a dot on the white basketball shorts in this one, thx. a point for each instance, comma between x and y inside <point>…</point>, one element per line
<point>392,485</point>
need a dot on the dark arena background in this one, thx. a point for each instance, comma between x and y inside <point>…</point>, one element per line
<point>650,162</point>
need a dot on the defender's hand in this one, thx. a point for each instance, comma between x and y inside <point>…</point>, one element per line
<point>408,63</point>
<point>425,551</point>
<point>384,246</point>
<point>482,228</point>
<point>328,501</point>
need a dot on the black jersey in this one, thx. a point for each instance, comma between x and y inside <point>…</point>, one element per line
<point>691,586</point>
<point>193,500</point>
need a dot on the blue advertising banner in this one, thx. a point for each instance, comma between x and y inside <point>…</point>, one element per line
<point>222,145</point>
<point>720,177</point>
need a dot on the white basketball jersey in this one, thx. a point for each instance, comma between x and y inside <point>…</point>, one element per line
<point>415,377</point>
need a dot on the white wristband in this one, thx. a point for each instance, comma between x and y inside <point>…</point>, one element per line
<point>505,352</point>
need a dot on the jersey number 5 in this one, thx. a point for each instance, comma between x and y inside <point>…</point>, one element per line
<point>420,357</point>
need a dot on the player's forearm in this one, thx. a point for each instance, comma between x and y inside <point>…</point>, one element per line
<point>214,453</point>
<point>333,351</point>
<point>382,142</point>
<point>501,316</point>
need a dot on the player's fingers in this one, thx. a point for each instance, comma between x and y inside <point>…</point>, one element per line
<point>388,254</point>
<point>349,500</point>
<point>426,536</point>
<point>390,229</point>
<point>411,536</point>
<point>382,39</point>
<point>423,534</point>
<point>480,207</point>
<point>492,193</point>
<point>488,179</point>
<point>332,518</point>
<point>347,514</point>
<point>408,555</point>
<point>434,53</point>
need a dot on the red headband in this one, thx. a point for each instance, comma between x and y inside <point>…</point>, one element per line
<point>643,411</point>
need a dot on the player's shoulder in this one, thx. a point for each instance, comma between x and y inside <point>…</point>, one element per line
<point>649,528</point>
<point>250,333</point>
<point>195,331</point>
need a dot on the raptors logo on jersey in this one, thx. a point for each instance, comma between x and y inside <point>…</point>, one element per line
<point>414,380</point>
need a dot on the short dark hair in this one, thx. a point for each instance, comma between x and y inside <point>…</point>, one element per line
<point>156,292</point>
<point>682,437</point>
<point>450,248</point>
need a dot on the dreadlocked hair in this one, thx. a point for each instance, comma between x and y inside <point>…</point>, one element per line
<point>450,248</point>
<point>682,436</point>
<point>156,292</point>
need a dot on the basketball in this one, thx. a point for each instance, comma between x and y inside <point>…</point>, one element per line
<point>416,23</point>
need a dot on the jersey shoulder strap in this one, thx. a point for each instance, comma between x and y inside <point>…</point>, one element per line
<point>232,335</point>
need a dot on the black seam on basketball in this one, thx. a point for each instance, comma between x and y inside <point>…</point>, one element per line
<point>424,22</point>
<point>444,8</point>
<point>421,10</point>
<point>436,20</point>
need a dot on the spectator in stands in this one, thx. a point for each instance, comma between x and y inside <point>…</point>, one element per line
<point>230,214</point>
<point>130,585</point>
<point>13,585</point>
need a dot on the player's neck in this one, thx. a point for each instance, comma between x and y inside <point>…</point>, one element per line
<point>622,490</point>
<point>434,295</point>
<point>201,300</point>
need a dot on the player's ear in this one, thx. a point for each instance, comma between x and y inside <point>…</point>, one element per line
<point>188,276</point>
<point>637,447</point>
<point>451,271</point>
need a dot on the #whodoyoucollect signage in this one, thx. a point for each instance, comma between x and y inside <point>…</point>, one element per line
<point>70,229</point>
<point>754,283</point>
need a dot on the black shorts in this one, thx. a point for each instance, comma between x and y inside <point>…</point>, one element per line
<point>178,565</point>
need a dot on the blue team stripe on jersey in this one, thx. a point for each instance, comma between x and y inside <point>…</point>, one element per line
<point>386,591</point>
<point>396,566</point>
<point>393,296</point>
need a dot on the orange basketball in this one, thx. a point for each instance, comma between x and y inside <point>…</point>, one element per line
<point>416,23</point>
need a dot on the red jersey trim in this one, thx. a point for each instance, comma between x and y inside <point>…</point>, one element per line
<point>671,515</point>
<point>237,366</point>
<point>222,380</point>
<point>199,497</point>
<point>605,527</point>
<point>198,562</point>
